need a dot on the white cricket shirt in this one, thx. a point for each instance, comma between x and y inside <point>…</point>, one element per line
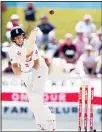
<point>18,55</point>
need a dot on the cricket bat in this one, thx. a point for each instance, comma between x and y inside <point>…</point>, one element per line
<point>31,41</point>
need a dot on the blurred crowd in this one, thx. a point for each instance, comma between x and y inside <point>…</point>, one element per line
<point>82,51</point>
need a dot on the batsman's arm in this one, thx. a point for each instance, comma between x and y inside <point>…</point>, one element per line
<point>36,64</point>
<point>35,57</point>
<point>16,69</point>
<point>31,42</point>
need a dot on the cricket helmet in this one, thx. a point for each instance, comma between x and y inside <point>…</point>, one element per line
<point>16,31</point>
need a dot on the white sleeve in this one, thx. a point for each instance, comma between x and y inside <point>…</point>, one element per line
<point>86,40</point>
<point>93,27</point>
<point>8,36</point>
<point>81,58</point>
<point>35,53</point>
<point>92,42</point>
<point>79,26</point>
<point>12,57</point>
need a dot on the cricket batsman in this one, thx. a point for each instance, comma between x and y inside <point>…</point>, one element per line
<point>27,62</point>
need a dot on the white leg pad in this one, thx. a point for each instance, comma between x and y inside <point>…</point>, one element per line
<point>45,120</point>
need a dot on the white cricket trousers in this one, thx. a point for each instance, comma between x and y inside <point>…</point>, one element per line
<point>34,82</point>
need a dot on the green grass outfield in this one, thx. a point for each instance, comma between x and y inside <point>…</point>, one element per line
<point>63,19</point>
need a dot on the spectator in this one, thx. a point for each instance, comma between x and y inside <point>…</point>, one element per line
<point>47,31</point>
<point>9,68</point>
<point>87,24</point>
<point>3,6</point>
<point>87,61</point>
<point>68,50</point>
<point>93,35</point>
<point>99,63</point>
<point>100,49</point>
<point>56,53</point>
<point>30,17</point>
<point>97,41</point>
<point>80,41</point>
<point>14,21</point>
<point>4,55</point>
<point>52,47</point>
<point>5,47</point>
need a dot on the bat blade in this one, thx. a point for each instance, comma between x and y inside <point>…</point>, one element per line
<point>31,41</point>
